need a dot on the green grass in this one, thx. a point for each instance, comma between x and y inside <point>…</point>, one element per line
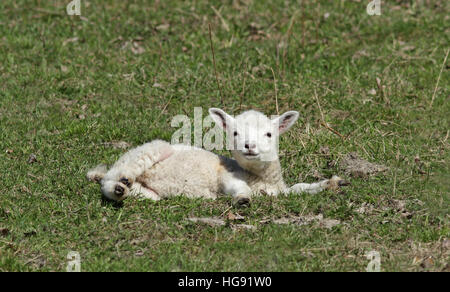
<point>71,85</point>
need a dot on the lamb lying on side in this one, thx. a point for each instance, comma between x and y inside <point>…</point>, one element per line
<point>158,170</point>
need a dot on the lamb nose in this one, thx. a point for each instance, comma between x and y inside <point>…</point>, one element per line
<point>250,146</point>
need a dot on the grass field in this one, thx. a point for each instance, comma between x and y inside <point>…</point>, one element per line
<point>75,88</point>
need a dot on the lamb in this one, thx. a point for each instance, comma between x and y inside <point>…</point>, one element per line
<point>159,170</point>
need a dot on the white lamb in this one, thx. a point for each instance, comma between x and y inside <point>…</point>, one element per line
<point>159,170</point>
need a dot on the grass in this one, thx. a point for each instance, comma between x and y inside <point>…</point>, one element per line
<point>70,86</point>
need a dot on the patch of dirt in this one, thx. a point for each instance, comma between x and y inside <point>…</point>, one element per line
<point>296,220</point>
<point>446,244</point>
<point>355,166</point>
<point>430,256</point>
<point>117,144</point>
<point>365,208</point>
<point>244,226</point>
<point>308,219</point>
<point>37,262</point>
<point>214,222</point>
<point>400,207</point>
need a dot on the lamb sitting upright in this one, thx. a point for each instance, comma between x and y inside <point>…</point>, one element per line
<point>159,170</point>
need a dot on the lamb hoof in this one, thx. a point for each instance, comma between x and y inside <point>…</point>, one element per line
<point>343,183</point>
<point>335,182</point>
<point>125,181</point>
<point>242,202</point>
<point>119,191</point>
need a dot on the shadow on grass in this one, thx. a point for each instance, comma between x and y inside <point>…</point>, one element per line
<point>108,202</point>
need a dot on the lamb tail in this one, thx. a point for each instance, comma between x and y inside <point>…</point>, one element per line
<point>97,173</point>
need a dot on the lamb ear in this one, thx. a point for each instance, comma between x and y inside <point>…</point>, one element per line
<point>285,121</point>
<point>223,119</point>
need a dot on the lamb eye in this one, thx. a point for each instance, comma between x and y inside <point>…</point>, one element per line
<point>269,135</point>
<point>235,133</point>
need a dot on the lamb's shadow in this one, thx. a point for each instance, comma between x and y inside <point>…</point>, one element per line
<point>108,202</point>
